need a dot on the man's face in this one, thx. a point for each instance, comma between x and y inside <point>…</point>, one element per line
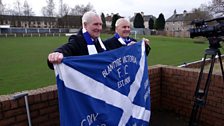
<point>94,27</point>
<point>123,29</point>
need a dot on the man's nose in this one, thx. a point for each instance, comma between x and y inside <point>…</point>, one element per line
<point>99,26</point>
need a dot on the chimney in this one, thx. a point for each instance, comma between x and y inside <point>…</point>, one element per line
<point>185,12</point>
<point>174,12</point>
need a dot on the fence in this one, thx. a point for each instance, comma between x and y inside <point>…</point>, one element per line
<point>25,32</point>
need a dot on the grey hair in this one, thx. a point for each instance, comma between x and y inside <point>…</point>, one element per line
<point>118,22</point>
<point>87,17</point>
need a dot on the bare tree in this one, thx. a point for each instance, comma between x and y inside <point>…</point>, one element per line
<point>49,9</point>
<point>17,9</point>
<point>88,7</point>
<point>60,8</point>
<point>77,10</point>
<point>27,10</point>
<point>217,7</point>
<point>63,9</point>
<point>44,11</point>
<point>81,9</point>
<point>201,13</point>
<point>2,8</point>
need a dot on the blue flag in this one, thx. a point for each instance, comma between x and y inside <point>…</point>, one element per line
<point>105,89</point>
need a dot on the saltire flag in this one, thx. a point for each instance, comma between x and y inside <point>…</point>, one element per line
<point>106,89</point>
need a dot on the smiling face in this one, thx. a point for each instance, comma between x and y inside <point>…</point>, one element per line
<point>94,27</point>
<point>123,28</point>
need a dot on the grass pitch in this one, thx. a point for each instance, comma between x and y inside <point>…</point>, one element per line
<point>23,63</point>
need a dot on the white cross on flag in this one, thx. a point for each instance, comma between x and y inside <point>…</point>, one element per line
<point>106,89</point>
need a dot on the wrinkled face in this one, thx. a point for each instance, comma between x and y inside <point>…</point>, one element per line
<point>123,29</point>
<point>94,27</point>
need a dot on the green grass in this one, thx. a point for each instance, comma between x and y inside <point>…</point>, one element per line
<point>23,64</point>
<point>175,51</point>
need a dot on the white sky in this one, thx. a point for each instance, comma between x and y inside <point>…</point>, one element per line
<point>125,8</point>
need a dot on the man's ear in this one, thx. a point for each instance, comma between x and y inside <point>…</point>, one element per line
<point>85,24</point>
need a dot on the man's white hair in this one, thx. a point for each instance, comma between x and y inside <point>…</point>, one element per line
<point>87,17</point>
<point>120,20</point>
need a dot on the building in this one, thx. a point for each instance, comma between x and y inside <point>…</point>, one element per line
<point>145,18</point>
<point>108,19</point>
<point>178,24</point>
<point>29,25</point>
<point>41,22</point>
<point>70,21</point>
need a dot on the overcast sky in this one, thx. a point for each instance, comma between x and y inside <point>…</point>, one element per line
<point>125,8</point>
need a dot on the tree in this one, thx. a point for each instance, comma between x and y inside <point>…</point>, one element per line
<point>89,7</point>
<point>103,20</point>
<point>17,10</point>
<point>81,9</point>
<point>138,21</point>
<point>114,19</point>
<point>2,8</point>
<point>151,23</point>
<point>44,11</point>
<point>60,8</point>
<point>63,9</point>
<point>49,9</point>
<point>160,22</point>
<point>27,10</point>
<point>200,14</point>
<point>217,7</point>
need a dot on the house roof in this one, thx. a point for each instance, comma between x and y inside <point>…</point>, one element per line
<point>181,17</point>
<point>145,18</point>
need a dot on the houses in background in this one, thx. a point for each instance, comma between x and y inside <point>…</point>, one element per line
<point>177,25</point>
<point>145,18</point>
<point>109,20</point>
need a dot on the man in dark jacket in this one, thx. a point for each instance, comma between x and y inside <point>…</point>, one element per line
<point>121,36</point>
<point>86,42</point>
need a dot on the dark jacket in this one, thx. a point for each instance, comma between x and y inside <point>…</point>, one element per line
<point>113,43</point>
<point>76,46</point>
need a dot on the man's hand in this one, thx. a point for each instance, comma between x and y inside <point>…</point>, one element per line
<point>146,41</point>
<point>131,43</point>
<point>55,57</point>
